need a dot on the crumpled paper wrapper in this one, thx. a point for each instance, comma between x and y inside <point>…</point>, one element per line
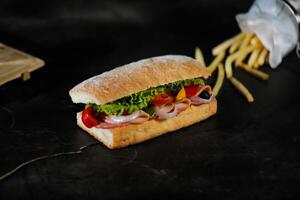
<point>274,25</point>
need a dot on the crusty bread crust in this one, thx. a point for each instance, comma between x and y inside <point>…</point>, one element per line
<point>135,77</point>
<point>136,133</point>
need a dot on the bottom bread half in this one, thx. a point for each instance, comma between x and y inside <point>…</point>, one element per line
<point>136,133</point>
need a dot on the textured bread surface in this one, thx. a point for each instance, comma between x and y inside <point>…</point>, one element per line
<point>135,77</point>
<point>136,133</point>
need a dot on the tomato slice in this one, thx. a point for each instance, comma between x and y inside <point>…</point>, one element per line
<point>162,99</point>
<point>191,90</point>
<point>88,119</point>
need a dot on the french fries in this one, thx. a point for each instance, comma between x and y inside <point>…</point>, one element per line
<point>255,72</point>
<point>212,67</point>
<point>235,46</point>
<point>228,63</point>
<point>262,57</point>
<point>224,45</point>
<point>246,51</point>
<point>246,40</point>
<point>253,57</point>
<point>242,89</point>
<point>256,64</point>
<point>199,56</point>
<point>220,79</point>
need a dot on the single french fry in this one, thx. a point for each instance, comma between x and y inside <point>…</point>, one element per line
<point>214,64</point>
<point>255,72</point>
<point>226,44</point>
<point>199,56</point>
<point>228,63</point>
<point>253,57</point>
<point>267,58</point>
<point>246,40</point>
<point>220,79</point>
<point>256,65</point>
<point>235,45</point>
<point>255,40</point>
<point>243,65</point>
<point>259,74</point>
<point>262,56</point>
<point>242,89</point>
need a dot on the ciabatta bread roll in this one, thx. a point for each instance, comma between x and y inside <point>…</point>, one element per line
<point>144,99</point>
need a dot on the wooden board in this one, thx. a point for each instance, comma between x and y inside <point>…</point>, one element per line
<point>15,64</point>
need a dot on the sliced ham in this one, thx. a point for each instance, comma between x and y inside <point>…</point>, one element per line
<point>182,105</point>
<point>196,100</point>
<point>204,88</point>
<point>172,110</point>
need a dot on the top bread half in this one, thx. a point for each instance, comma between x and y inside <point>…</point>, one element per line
<point>135,77</point>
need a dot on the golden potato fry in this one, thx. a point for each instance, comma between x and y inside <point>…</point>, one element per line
<point>262,56</point>
<point>214,64</point>
<point>243,65</point>
<point>259,74</point>
<point>255,41</point>
<point>199,56</point>
<point>228,63</point>
<point>235,46</point>
<point>256,64</point>
<point>220,79</point>
<point>253,57</point>
<point>242,89</point>
<point>267,58</point>
<point>255,72</point>
<point>226,44</point>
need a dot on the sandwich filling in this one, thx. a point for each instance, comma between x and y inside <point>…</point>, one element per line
<point>157,103</point>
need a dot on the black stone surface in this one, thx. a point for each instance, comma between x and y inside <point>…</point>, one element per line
<point>246,151</point>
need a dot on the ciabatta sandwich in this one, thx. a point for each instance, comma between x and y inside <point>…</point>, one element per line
<point>144,99</point>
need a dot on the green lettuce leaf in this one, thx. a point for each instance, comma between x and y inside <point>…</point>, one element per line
<point>139,101</point>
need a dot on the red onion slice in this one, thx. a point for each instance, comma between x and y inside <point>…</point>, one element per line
<point>142,118</point>
<point>162,114</point>
<point>136,117</point>
<point>167,107</point>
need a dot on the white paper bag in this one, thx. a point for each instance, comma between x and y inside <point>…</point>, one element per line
<point>274,25</point>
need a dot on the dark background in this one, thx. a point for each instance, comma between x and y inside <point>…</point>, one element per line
<point>246,151</point>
